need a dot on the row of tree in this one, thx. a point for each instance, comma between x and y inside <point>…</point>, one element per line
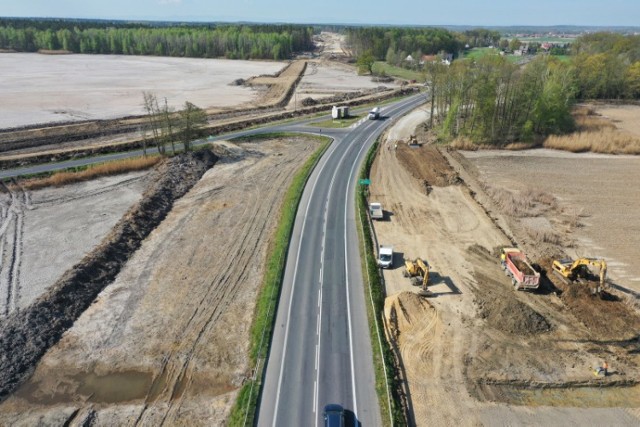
<point>607,65</point>
<point>492,101</point>
<point>394,45</point>
<point>230,41</point>
<point>168,127</point>
<point>378,41</point>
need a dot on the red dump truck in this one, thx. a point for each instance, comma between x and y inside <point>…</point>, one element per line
<point>515,265</point>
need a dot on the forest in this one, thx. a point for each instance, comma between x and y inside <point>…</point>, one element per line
<point>493,101</point>
<point>200,41</point>
<point>385,43</point>
<point>607,66</point>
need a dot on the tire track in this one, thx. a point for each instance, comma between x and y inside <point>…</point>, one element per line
<point>247,231</point>
<point>12,232</point>
<point>252,227</point>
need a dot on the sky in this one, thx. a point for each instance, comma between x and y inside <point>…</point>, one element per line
<point>392,12</point>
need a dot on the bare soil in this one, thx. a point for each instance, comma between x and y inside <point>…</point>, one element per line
<point>477,351</point>
<point>59,88</point>
<point>47,231</point>
<point>167,341</point>
<point>596,209</point>
<point>625,117</point>
<point>25,335</point>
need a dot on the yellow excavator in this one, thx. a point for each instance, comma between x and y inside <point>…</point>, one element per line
<point>570,270</point>
<point>418,271</point>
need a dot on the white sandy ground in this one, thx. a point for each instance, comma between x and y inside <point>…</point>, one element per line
<point>52,229</point>
<point>324,79</point>
<point>37,88</point>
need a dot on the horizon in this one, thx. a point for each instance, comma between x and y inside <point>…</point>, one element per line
<point>500,13</point>
<point>339,24</point>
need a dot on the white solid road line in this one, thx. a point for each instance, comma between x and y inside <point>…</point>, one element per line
<point>295,273</point>
<point>324,237</point>
<point>346,266</point>
<point>293,286</point>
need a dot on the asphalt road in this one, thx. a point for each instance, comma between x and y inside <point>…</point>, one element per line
<point>321,349</point>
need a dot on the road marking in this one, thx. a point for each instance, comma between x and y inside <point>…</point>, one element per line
<point>293,285</point>
<point>295,273</point>
<point>346,267</point>
<point>315,397</point>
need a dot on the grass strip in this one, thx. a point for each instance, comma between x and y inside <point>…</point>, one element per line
<point>383,359</point>
<point>85,173</point>
<point>244,410</point>
<point>382,68</point>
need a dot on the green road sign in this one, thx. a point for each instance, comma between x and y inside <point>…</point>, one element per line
<point>365,182</point>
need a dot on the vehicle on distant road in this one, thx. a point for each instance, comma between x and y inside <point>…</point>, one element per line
<point>374,114</point>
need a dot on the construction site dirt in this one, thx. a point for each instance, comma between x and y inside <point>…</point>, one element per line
<point>172,329</point>
<point>477,350</point>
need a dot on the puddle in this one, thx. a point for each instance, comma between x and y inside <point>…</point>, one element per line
<point>576,397</point>
<point>115,387</point>
<point>111,388</point>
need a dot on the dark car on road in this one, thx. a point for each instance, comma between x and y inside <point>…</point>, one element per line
<point>333,415</point>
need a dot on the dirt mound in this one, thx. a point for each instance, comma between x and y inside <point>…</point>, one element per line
<point>498,305</point>
<point>26,335</point>
<point>511,315</point>
<point>406,310</point>
<point>607,316</point>
<point>427,165</point>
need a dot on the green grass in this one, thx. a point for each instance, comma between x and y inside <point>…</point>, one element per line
<point>337,123</point>
<point>479,52</point>
<point>269,293</point>
<point>381,67</point>
<point>563,58</point>
<point>383,358</point>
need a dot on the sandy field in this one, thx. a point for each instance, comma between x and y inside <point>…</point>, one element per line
<point>476,352</point>
<point>167,342</point>
<point>625,117</point>
<point>601,188</point>
<point>47,88</point>
<point>45,232</point>
<point>329,78</point>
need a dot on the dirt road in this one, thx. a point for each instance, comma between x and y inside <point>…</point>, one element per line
<point>477,352</point>
<point>166,343</point>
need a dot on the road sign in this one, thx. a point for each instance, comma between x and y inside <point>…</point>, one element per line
<point>365,182</point>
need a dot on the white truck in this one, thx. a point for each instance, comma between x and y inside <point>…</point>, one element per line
<point>385,256</point>
<point>375,210</point>
<point>374,114</point>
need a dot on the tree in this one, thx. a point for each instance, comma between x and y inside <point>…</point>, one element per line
<point>514,44</point>
<point>168,123</point>
<point>192,118</point>
<point>365,62</point>
<point>633,80</point>
<point>153,119</point>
